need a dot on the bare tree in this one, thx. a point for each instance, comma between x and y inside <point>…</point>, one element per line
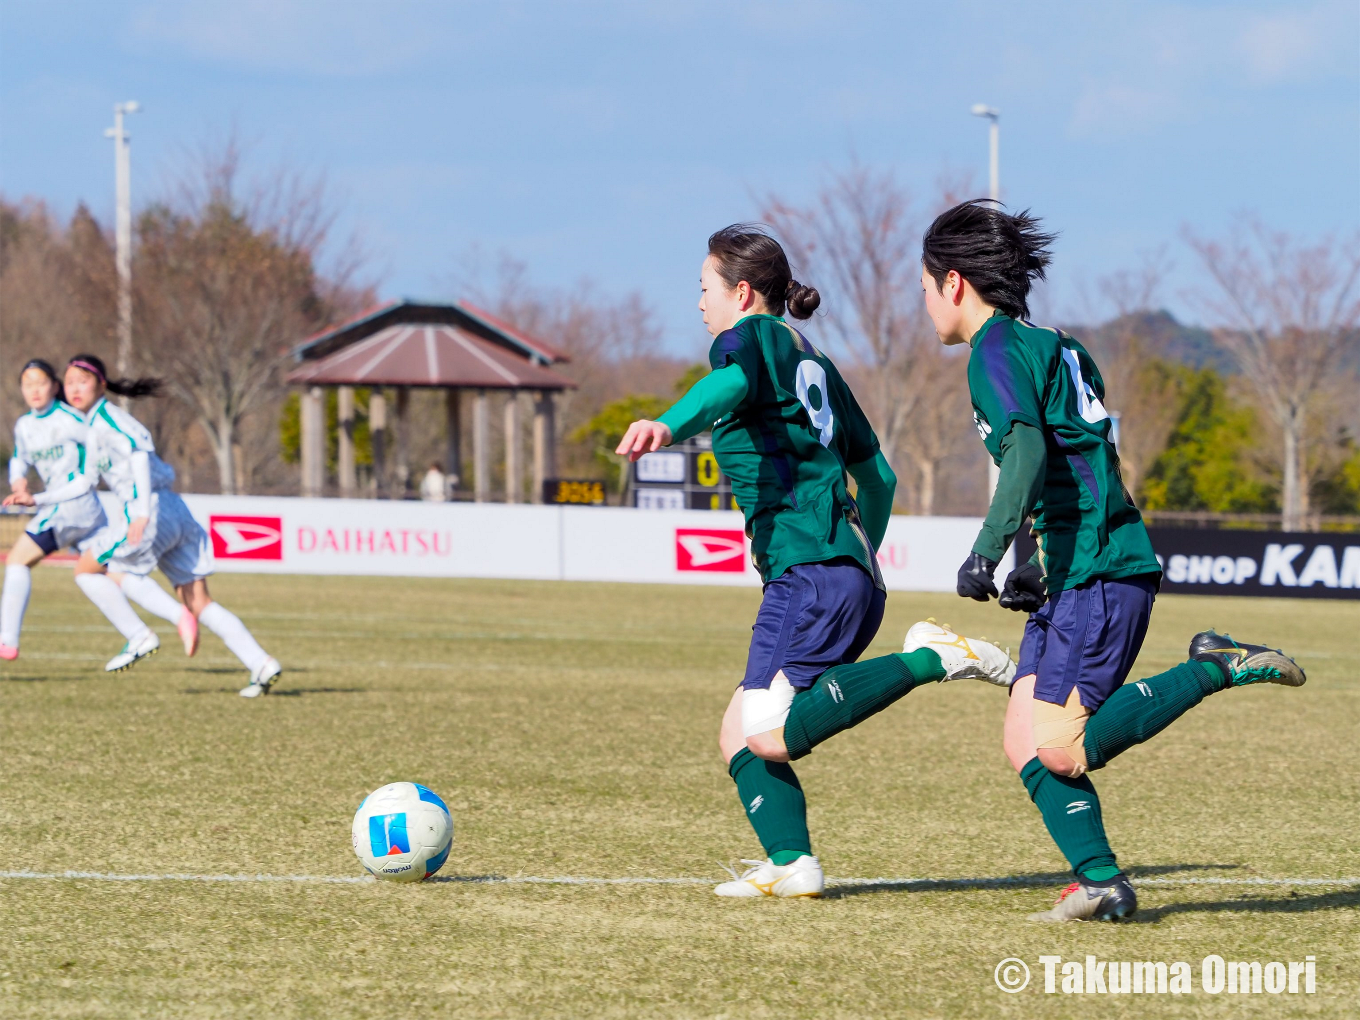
<point>227,283</point>
<point>1138,384</point>
<point>860,241</point>
<point>56,291</point>
<point>615,344</point>
<point>1289,313</point>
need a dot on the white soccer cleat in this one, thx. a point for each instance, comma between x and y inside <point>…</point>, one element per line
<point>132,651</point>
<point>1114,900</point>
<point>188,631</point>
<point>264,677</point>
<point>963,658</point>
<point>765,878</point>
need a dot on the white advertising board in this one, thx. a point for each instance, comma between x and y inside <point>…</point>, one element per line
<point>263,534</point>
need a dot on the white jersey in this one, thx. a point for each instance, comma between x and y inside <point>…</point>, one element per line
<point>52,442</point>
<point>125,457</point>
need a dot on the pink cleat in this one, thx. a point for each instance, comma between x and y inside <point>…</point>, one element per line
<point>188,631</point>
<point>8,653</point>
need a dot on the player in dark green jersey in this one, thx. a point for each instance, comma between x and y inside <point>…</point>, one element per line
<point>1038,402</point>
<point>786,430</point>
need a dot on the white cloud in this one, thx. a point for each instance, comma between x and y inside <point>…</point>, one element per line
<point>339,37</point>
<point>1147,65</point>
<point>1302,43</point>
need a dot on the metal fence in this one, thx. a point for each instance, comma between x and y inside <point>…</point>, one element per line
<point>1246,522</point>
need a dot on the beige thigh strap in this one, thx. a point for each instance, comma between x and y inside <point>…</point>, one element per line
<point>1062,726</point>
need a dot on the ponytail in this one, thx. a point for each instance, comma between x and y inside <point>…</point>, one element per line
<point>147,387</point>
<point>744,251</point>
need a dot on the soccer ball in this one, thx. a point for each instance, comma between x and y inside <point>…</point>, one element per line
<point>403,832</point>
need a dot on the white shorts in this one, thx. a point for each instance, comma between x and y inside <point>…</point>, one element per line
<point>73,523</point>
<point>173,541</point>
<point>765,708</point>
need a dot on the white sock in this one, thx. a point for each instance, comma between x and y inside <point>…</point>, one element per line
<point>13,603</point>
<point>104,593</point>
<point>228,626</point>
<point>152,597</point>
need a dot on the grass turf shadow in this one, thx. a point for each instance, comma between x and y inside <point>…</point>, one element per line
<point>1036,880</point>
<point>1348,899</point>
<point>290,692</point>
<point>70,678</point>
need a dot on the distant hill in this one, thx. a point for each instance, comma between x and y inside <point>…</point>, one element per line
<point>1188,345</point>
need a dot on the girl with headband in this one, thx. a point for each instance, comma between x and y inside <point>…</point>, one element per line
<point>49,439</point>
<point>154,529</point>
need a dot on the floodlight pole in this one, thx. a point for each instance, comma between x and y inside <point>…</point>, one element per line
<point>122,174</point>
<point>993,116</point>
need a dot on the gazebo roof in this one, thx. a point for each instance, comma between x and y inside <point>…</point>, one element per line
<point>428,354</point>
<point>464,315</point>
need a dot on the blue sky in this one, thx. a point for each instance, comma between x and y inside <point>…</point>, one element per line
<point>606,140</point>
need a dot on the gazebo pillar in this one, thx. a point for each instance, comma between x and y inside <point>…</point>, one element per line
<point>545,447</point>
<point>453,438</point>
<point>312,418</point>
<point>403,465</point>
<point>512,450</point>
<point>345,469</point>
<point>377,431</point>
<point>480,463</point>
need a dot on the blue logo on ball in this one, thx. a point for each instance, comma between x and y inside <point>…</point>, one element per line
<point>387,835</point>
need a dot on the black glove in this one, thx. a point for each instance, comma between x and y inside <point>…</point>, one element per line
<point>975,578</point>
<point>1024,591</point>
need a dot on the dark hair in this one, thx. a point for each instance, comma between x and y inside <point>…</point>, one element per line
<point>999,254</point>
<point>45,367</point>
<point>744,251</point>
<point>122,387</point>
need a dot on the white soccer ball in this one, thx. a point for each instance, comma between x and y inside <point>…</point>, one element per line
<point>403,832</point>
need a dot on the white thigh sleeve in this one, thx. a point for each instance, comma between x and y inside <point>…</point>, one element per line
<point>765,709</point>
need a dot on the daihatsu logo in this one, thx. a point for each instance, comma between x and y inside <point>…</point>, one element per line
<point>247,538</point>
<point>710,549</point>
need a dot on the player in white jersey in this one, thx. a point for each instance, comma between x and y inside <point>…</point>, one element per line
<point>154,529</point>
<point>50,439</point>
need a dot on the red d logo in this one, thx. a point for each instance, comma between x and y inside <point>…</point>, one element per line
<point>710,549</point>
<point>247,538</point>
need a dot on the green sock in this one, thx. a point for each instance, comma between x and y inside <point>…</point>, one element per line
<point>845,696</point>
<point>774,803</point>
<point>1139,711</point>
<point>1071,813</point>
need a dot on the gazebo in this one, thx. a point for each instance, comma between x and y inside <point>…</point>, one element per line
<point>407,345</point>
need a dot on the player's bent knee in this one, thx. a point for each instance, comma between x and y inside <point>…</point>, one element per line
<point>769,746</point>
<point>1059,762</point>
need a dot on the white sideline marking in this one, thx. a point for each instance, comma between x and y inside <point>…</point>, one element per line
<point>890,883</point>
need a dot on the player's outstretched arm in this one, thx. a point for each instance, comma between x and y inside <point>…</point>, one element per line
<point>876,484</point>
<point>72,489</point>
<point>707,400</point>
<point>1024,460</point>
<point>643,437</point>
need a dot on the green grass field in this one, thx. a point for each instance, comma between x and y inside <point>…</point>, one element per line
<point>572,730</point>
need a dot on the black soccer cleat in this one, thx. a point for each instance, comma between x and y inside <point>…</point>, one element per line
<point>1244,663</point>
<point>1114,900</point>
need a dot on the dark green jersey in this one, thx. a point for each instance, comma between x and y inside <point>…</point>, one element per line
<point>1085,522</point>
<point>787,445</point>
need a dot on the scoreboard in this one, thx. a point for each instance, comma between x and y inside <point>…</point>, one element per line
<point>685,476</point>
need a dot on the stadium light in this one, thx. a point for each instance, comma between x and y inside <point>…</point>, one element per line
<point>993,116</point>
<point>122,177</point>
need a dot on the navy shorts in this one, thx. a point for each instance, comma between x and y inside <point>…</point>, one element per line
<point>1087,637</point>
<point>45,540</point>
<point>813,617</point>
